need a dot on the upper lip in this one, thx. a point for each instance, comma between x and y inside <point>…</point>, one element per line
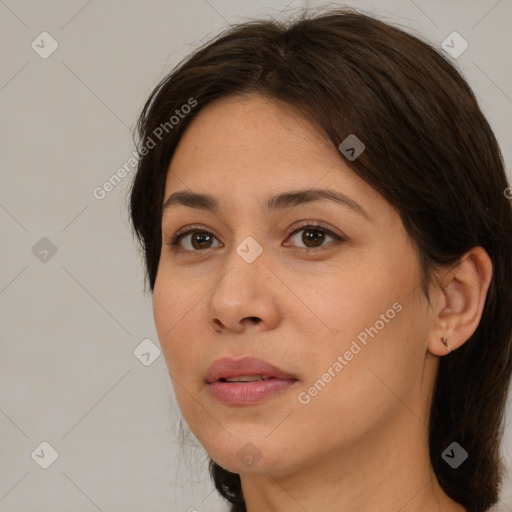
<point>226,368</point>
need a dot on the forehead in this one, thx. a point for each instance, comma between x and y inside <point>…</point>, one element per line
<point>237,136</point>
<point>246,125</point>
<point>243,149</point>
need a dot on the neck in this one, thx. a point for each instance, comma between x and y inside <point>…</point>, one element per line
<point>383,471</point>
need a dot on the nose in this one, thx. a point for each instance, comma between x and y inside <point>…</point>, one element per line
<point>243,296</point>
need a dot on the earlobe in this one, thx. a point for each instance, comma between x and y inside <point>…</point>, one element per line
<point>446,344</point>
<point>461,303</point>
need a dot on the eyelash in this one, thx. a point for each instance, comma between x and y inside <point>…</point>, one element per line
<point>173,242</point>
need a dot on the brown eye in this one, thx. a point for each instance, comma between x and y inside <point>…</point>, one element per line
<point>194,240</point>
<point>198,240</point>
<point>201,240</point>
<point>312,237</point>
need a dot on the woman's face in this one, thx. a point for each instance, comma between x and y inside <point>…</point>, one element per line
<point>337,307</point>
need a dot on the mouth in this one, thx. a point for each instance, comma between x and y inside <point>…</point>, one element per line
<point>246,381</point>
<point>246,369</point>
<point>246,378</point>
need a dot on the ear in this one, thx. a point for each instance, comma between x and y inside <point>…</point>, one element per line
<point>460,301</point>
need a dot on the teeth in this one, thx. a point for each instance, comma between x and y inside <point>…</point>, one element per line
<point>248,378</point>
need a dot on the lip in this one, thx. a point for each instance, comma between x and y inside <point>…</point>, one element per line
<point>226,368</point>
<point>246,393</point>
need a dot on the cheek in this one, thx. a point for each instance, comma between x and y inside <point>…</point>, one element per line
<point>377,327</point>
<point>375,381</point>
<point>343,303</point>
<point>178,320</point>
<point>177,314</point>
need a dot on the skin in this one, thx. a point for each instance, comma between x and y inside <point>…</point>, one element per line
<point>361,443</point>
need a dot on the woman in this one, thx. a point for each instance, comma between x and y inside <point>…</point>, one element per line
<point>322,208</point>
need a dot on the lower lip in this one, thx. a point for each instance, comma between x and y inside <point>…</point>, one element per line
<point>246,393</point>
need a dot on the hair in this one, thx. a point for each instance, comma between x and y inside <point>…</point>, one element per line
<point>430,153</point>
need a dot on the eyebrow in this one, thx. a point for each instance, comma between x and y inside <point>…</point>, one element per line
<point>277,202</point>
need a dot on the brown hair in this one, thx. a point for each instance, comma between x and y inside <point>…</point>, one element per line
<point>429,151</point>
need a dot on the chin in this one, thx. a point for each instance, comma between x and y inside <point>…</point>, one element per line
<point>249,463</point>
<point>251,455</point>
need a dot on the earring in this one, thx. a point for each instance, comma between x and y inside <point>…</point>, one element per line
<point>445,343</point>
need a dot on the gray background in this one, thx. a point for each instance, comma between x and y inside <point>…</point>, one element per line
<point>70,321</point>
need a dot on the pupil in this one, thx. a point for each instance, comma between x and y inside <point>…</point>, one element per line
<point>201,237</point>
<point>310,234</point>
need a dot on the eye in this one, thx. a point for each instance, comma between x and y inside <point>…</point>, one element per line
<point>196,238</point>
<point>313,236</point>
